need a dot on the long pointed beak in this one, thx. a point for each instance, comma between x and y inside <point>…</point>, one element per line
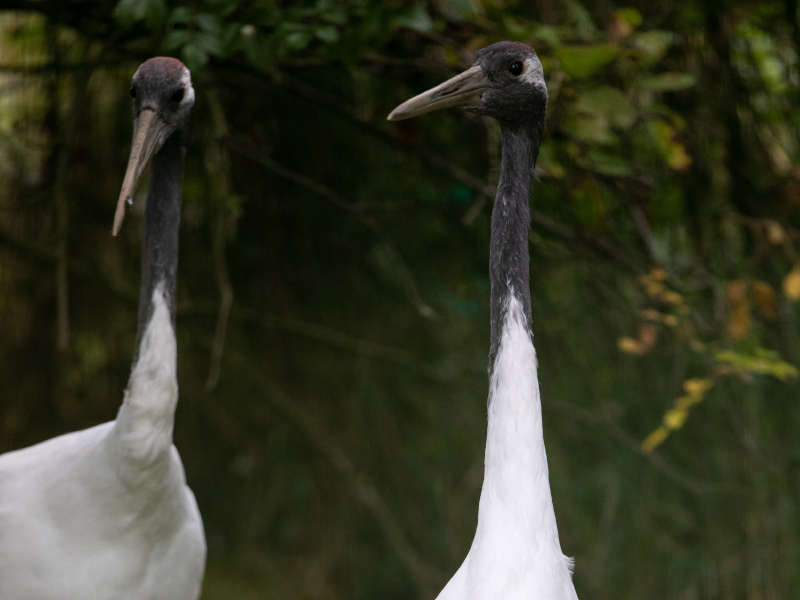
<point>464,90</point>
<point>146,142</point>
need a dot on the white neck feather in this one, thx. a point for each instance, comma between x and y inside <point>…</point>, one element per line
<point>145,421</point>
<point>516,553</point>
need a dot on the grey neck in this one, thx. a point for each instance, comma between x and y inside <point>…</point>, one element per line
<point>162,221</point>
<point>509,261</point>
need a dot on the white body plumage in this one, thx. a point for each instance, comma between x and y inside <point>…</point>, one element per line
<point>105,512</point>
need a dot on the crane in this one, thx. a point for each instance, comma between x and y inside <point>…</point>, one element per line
<point>516,553</point>
<point>105,512</point>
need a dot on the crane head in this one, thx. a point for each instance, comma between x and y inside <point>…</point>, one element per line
<point>506,82</point>
<point>163,97</point>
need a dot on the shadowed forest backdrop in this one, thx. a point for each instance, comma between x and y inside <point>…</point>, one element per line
<point>333,323</point>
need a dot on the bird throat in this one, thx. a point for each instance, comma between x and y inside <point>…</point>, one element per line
<point>509,261</point>
<point>162,221</point>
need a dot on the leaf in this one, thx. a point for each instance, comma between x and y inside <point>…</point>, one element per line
<point>606,163</point>
<point>297,40</point>
<point>129,12</point>
<point>630,346</point>
<point>209,23</point>
<point>631,16</point>
<point>334,15</point>
<point>761,362</point>
<point>673,152</point>
<point>582,61</point>
<point>194,56</point>
<point>459,10</point>
<point>547,34</point>
<point>697,387</point>
<point>652,45</point>
<point>175,39</point>
<point>259,50</point>
<point>328,34</point>
<point>737,291</point>
<point>416,18</point>
<point>740,322</point>
<point>672,297</point>
<point>648,335</point>
<point>775,233</point>
<point>668,82</point>
<point>588,203</point>
<point>791,284</point>
<point>180,14</point>
<point>765,300</point>
<point>654,439</point>
<point>675,418</point>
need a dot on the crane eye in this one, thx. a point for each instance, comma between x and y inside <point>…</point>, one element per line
<point>133,92</point>
<point>177,96</point>
<point>516,68</point>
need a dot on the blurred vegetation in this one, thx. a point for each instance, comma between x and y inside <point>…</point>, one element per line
<point>333,291</point>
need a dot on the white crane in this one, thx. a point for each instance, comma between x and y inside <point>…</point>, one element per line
<point>105,513</point>
<point>516,553</point>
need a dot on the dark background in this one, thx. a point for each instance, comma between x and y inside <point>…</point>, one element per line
<point>333,293</point>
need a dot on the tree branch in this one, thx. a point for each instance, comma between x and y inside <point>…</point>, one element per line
<point>660,463</point>
<point>426,578</point>
<point>246,147</point>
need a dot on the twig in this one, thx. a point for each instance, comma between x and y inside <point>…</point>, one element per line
<point>75,266</point>
<point>439,163</point>
<point>242,145</point>
<point>643,227</point>
<point>362,489</point>
<point>661,464</point>
<point>218,167</point>
<point>129,296</point>
<point>436,161</point>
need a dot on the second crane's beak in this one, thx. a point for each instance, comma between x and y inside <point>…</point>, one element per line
<point>147,140</point>
<point>463,91</point>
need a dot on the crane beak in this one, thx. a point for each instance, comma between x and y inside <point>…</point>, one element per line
<point>463,91</point>
<point>147,140</point>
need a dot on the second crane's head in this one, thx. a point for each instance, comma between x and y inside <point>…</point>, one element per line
<point>163,97</point>
<point>506,82</point>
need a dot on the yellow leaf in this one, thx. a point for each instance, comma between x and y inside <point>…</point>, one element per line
<point>696,345</point>
<point>670,320</point>
<point>672,297</point>
<point>651,314</point>
<point>775,233</point>
<point>697,386</point>
<point>658,274</point>
<point>765,300</point>
<point>630,345</point>
<point>737,291</point>
<point>648,336</point>
<point>654,288</point>
<point>675,418</point>
<point>791,284</point>
<point>654,439</point>
<point>739,325</point>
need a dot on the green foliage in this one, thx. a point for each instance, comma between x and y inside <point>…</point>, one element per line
<point>665,281</point>
<point>760,362</point>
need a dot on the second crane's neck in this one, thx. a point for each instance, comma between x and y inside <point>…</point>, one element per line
<point>516,519</point>
<point>509,262</point>
<point>162,221</point>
